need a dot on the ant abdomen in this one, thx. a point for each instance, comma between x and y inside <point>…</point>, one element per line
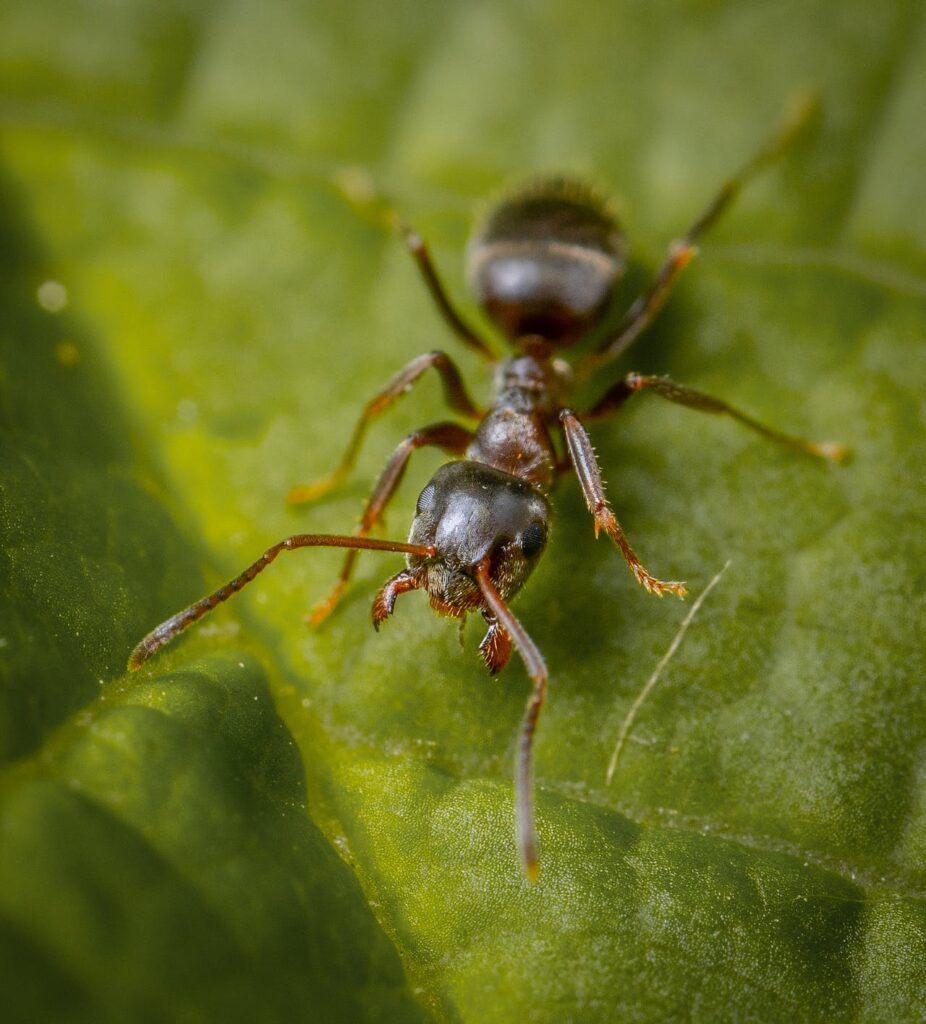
<point>545,260</point>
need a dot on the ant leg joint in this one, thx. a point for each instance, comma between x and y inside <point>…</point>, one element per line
<point>682,252</point>
<point>413,240</point>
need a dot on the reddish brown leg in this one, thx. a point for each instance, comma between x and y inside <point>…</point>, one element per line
<point>668,389</point>
<point>163,634</point>
<point>452,438</point>
<point>454,392</point>
<point>647,306</point>
<point>586,466</point>
<point>642,313</point>
<point>524,765</point>
<point>419,250</point>
<point>610,401</point>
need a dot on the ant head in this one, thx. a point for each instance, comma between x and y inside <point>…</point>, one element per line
<point>470,512</point>
<point>546,260</point>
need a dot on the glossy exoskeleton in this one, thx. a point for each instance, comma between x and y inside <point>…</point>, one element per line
<point>543,266</point>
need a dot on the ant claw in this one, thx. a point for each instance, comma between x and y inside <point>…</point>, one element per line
<point>659,587</point>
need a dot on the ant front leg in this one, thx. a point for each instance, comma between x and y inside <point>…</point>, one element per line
<point>455,395</point>
<point>419,251</point>
<point>450,437</point>
<point>642,313</point>
<point>587,470</point>
<point>614,398</point>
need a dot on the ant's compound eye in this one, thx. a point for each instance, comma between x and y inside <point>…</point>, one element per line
<point>533,539</point>
<point>426,499</point>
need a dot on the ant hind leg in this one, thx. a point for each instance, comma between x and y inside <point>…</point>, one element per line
<point>419,252</point>
<point>644,310</point>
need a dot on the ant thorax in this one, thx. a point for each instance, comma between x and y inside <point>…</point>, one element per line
<point>513,436</point>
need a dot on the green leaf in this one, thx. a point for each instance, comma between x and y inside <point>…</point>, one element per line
<point>197,296</point>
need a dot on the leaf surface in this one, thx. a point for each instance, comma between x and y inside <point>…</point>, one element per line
<point>277,824</point>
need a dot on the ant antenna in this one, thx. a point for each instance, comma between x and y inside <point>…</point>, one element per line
<point>163,634</point>
<point>523,772</point>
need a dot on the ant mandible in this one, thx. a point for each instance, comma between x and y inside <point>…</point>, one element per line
<point>543,267</point>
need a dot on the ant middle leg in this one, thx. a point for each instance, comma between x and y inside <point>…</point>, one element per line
<point>583,458</point>
<point>644,310</point>
<point>418,248</point>
<point>450,437</point>
<point>615,397</point>
<point>455,395</point>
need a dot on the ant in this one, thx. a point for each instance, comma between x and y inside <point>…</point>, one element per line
<point>543,266</point>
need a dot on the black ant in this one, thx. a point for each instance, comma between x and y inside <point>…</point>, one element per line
<point>543,266</point>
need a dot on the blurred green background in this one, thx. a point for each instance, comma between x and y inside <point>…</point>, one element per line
<point>197,294</point>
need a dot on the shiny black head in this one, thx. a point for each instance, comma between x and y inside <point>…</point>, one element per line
<point>470,511</point>
<point>545,261</point>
